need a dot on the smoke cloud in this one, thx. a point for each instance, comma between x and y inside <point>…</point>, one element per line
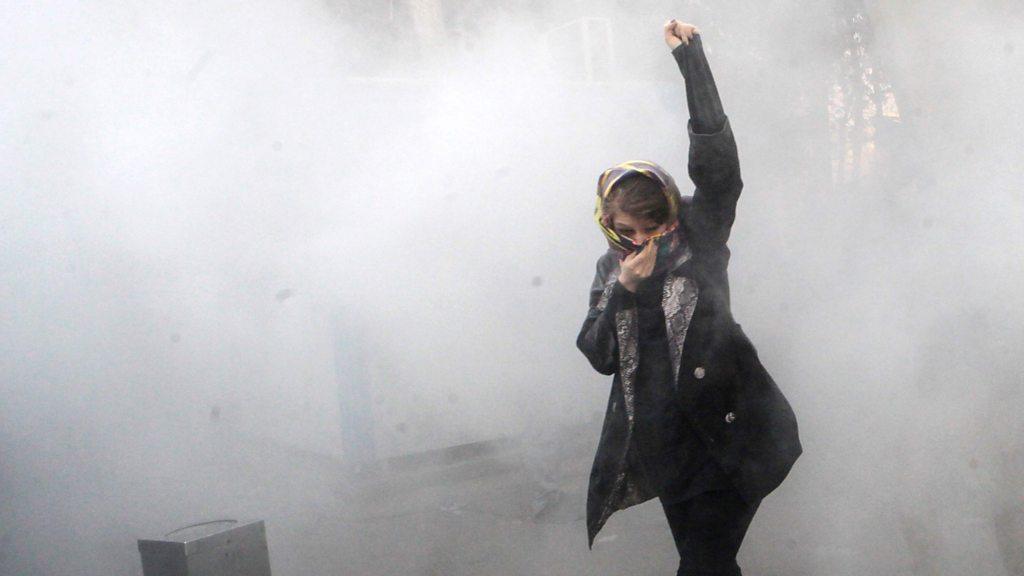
<point>227,229</point>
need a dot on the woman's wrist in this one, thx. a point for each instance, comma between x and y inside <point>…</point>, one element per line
<point>628,284</point>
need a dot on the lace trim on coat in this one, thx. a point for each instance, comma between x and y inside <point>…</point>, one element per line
<point>679,300</point>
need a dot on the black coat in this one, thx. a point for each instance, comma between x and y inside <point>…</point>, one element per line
<point>726,394</point>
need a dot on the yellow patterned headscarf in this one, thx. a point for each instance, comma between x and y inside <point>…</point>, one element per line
<point>610,177</point>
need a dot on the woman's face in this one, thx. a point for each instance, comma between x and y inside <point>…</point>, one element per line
<point>636,229</point>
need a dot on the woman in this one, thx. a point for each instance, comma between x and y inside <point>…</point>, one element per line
<point>693,417</point>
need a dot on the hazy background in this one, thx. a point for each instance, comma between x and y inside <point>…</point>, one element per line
<point>204,205</point>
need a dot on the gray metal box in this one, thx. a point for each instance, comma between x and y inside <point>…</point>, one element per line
<point>220,548</point>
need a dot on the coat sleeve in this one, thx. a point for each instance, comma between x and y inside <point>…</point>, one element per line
<point>597,339</point>
<point>714,163</point>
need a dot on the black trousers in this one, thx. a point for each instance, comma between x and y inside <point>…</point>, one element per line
<point>708,530</point>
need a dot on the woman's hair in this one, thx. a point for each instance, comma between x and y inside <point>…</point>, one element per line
<point>638,196</point>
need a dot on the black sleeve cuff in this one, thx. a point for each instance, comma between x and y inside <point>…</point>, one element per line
<point>621,298</point>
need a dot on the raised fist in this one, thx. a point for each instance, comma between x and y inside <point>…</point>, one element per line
<point>677,33</point>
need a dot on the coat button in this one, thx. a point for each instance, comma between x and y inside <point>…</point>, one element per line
<point>698,372</point>
<point>730,417</point>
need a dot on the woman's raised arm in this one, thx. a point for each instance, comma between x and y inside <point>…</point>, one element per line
<point>713,160</point>
<point>706,115</point>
